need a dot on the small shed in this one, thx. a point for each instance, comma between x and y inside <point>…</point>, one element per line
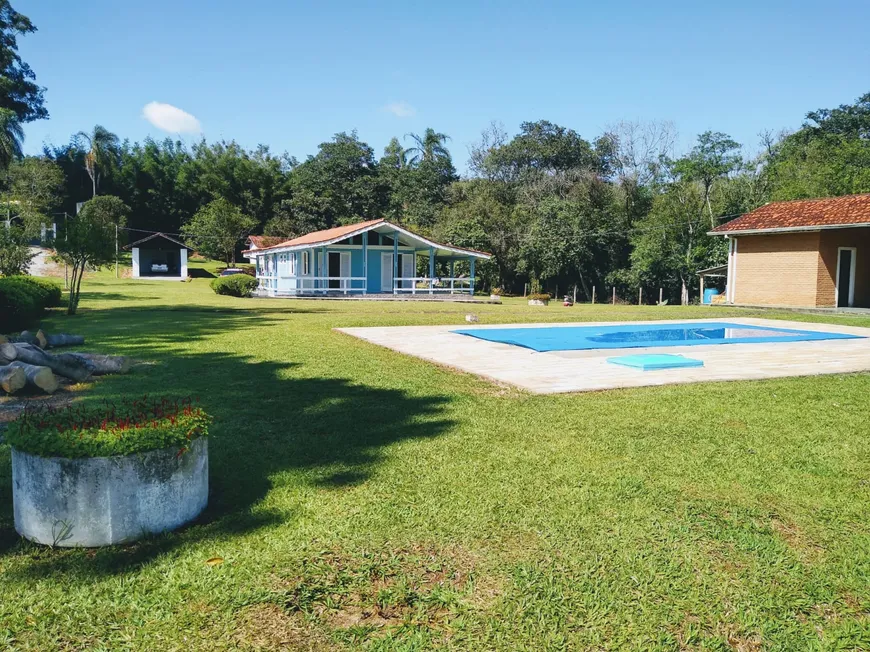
<point>159,257</point>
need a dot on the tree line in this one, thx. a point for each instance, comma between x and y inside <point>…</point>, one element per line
<point>622,209</point>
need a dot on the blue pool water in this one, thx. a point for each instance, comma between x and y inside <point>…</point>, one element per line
<point>628,336</point>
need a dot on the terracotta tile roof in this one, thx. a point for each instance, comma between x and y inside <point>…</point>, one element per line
<point>261,241</point>
<point>340,232</point>
<point>803,214</point>
<point>321,236</point>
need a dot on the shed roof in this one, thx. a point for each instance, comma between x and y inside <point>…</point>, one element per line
<point>138,243</point>
<point>801,215</point>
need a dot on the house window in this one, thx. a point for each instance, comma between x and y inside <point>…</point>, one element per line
<point>292,264</point>
<point>306,265</point>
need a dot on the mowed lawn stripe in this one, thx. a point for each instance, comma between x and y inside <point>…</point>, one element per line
<point>362,498</point>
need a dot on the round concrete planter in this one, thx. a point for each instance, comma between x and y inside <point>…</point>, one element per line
<point>538,302</point>
<point>101,501</point>
<point>495,298</point>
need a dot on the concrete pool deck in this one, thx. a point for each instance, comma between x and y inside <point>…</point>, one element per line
<point>582,371</point>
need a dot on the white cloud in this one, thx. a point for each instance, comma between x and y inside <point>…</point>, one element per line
<point>170,118</point>
<point>400,109</point>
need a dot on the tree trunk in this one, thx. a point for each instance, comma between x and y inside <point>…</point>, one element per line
<point>25,336</point>
<point>64,365</point>
<point>64,339</point>
<point>36,339</point>
<point>12,379</point>
<point>41,377</point>
<point>8,353</point>
<point>104,364</point>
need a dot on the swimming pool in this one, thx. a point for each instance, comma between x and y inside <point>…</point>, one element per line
<point>629,336</point>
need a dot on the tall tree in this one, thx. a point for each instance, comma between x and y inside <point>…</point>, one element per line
<point>339,185</point>
<point>716,155</point>
<point>36,185</point>
<point>218,229</point>
<point>11,137</point>
<point>88,240</point>
<point>828,156</point>
<point>18,90</point>
<point>428,147</point>
<point>102,151</point>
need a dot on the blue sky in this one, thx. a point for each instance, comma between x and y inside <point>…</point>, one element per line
<point>291,74</point>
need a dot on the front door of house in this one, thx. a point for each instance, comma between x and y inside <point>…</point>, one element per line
<point>334,270</point>
<point>846,277</point>
<point>387,273</point>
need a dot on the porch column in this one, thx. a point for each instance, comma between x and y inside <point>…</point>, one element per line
<point>324,268</point>
<point>452,274</point>
<point>365,255</point>
<point>431,270</point>
<point>395,259</point>
<point>471,264</point>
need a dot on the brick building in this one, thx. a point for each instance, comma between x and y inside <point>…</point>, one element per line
<point>807,253</point>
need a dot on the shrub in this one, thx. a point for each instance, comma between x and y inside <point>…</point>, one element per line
<point>539,297</point>
<point>48,289</point>
<point>23,299</point>
<point>237,285</point>
<point>136,426</point>
<point>496,292</point>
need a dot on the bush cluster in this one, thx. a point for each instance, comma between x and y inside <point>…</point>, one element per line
<point>237,285</point>
<point>539,297</point>
<point>135,426</point>
<point>23,299</point>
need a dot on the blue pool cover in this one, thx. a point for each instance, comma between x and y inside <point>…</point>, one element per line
<point>628,336</point>
<point>652,361</point>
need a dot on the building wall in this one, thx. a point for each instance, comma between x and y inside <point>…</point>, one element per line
<point>799,269</point>
<point>830,243</point>
<point>777,270</point>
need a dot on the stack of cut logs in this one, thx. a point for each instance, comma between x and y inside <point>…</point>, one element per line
<point>25,362</point>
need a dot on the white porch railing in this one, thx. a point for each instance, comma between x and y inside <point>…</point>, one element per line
<point>320,284</point>
<point>346,284</point>
<point>426,285</point>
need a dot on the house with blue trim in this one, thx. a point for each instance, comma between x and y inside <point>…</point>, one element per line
<point>373,257</point>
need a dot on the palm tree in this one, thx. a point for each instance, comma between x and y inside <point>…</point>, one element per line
<point>11,136</point>
<point>102,150</point>
<point>429,146</point>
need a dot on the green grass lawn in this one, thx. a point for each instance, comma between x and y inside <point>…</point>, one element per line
<point>363,499</point>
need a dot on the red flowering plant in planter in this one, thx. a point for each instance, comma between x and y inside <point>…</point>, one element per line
<point>130,426</point>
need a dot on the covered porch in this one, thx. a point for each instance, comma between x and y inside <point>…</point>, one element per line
<point>369,258</point>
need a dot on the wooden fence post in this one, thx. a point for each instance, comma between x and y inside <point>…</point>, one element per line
<point>593,294</point>
<point>614,295</point>
<point>639,296</point>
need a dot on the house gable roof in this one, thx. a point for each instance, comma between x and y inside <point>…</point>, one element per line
<point>801,215</point>
<point>339,233</point>
<point>157,235</point>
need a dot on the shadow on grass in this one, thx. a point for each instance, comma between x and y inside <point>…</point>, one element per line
<point>273,427</point>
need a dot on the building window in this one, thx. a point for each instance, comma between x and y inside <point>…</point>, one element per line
<point>292,264</point>
<point>306,264</point>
